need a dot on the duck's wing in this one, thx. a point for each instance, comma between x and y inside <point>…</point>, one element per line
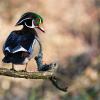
<point>9,43</point>
<point>16,43</point>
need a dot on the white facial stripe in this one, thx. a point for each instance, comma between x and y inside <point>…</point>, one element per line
<point>33,24</point>
<point>23,20</point>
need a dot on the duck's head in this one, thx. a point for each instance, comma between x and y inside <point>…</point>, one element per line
<point>31,20</point>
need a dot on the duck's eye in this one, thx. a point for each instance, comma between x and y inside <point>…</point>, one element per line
<point>38,21</point>
<point>28,22</point>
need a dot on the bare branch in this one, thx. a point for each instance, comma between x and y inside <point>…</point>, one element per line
<point>27,75</point>
<point>35,75</point>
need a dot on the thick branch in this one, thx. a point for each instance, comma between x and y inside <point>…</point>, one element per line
<point>27,75</point>
<point>34,75</point>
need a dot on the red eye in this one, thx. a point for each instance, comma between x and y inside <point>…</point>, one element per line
<point>37,19</point>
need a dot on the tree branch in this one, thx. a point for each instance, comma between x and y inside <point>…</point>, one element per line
<point>35,75</point>
<point>27,75</point>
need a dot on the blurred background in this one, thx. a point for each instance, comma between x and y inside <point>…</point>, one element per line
<point>72,40</point>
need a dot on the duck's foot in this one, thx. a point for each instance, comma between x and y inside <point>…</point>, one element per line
<point>13,69</point>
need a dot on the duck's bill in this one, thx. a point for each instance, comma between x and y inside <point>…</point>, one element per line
<point>40,27</point>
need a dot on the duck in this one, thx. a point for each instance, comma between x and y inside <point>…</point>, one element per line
<point>19,45</point>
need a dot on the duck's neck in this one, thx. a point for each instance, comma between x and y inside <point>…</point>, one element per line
<point>29,30</point>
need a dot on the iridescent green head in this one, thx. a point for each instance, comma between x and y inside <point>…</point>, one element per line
<point>31,20</point>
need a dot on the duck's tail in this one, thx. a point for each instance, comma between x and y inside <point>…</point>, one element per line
<point>6,59</point>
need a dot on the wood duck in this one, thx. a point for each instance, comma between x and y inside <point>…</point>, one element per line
<point>18,48</point>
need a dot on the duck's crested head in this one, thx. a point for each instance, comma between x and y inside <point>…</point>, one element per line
<point>31,20</point>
